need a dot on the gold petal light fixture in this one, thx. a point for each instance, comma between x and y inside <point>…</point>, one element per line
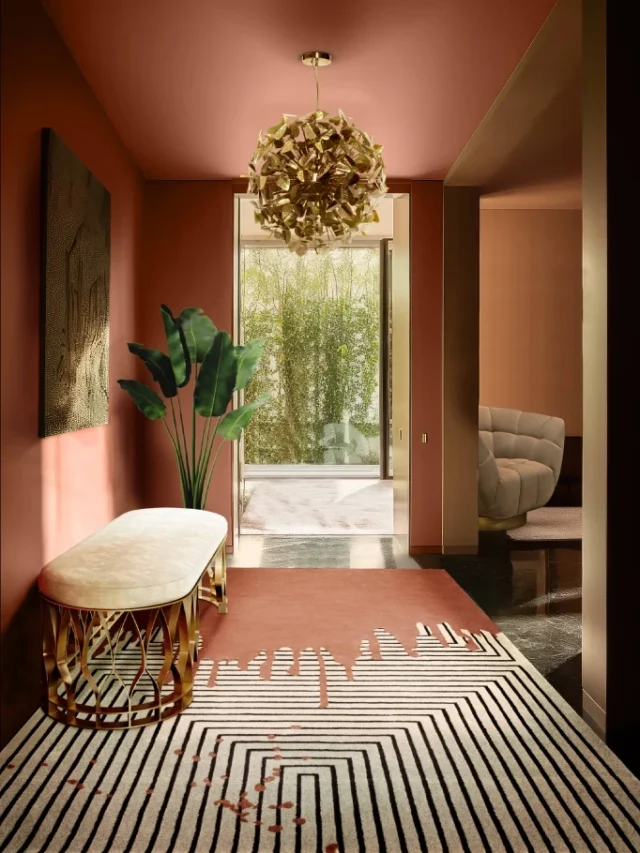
<point>317,177</point>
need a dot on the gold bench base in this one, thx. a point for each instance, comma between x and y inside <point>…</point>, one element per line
<point>109,669</point>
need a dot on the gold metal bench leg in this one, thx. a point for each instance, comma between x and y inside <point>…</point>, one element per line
<point>213,586</point>
<point>88,677</point>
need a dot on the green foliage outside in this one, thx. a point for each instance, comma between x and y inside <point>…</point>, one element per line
<point>319,316</point>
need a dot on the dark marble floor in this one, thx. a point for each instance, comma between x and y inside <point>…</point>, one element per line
<point>531,591</point>
<point>534,594</point>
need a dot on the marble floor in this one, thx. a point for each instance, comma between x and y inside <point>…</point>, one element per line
<point>318,506</point>
<point>533,593</point>
<point>320,552</point>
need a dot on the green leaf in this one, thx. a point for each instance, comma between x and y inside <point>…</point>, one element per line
<point>199,333</point>
<point>145,398</point>
<point>248,358</point>
<point>217,377</point>
<point>160,366</point>
<point>234,422</point>
<point>177,344</point>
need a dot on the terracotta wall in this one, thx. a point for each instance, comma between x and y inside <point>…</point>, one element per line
<point>531,312</point>
<point>187,261</point>
<point>58,490</point>
<point>425,528</point>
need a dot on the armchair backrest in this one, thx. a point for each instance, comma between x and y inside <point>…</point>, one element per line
<point>511,434</point>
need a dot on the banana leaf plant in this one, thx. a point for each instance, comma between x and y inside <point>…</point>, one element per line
<point>203,361</point>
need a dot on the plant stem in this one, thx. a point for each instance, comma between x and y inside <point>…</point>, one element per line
<point>193,432</point>
<point>178,449</point>
<point>205,451</point>
<point>184,441</point>
<point>203,447</point>
<point>211,470</point>
<point>180,465</point>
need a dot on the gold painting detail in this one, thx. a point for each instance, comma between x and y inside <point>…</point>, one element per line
<point>75,293</point>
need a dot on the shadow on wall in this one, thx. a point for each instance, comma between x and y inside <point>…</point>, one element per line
<point>21,665</point>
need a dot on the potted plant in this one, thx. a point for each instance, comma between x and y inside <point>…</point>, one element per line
<point>200,354</point>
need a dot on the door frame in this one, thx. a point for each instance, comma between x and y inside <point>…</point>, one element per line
<point>425,480</point>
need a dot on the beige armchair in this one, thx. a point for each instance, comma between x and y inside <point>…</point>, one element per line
<point>520,455</point>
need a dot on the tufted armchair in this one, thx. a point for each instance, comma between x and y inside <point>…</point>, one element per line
<point>520,454</point>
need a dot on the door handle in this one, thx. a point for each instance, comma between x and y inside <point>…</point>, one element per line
<point>400,433</point>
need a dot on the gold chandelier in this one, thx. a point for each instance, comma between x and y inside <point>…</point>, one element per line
<point>317,178</point>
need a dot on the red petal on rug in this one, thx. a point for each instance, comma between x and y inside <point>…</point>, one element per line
<point>214,674</point>
<point>299,820</point>
<point>287,805</point>
<point>358,603</point>
<point>331,848</point>
<point>276,828</point>
<point>259,788</point>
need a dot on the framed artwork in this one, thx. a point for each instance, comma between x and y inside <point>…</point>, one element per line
<point>76,226</point>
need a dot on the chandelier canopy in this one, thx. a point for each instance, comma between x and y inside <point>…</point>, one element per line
<point>317,177</point>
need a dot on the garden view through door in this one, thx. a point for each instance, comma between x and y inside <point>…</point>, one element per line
<point>313,456</point>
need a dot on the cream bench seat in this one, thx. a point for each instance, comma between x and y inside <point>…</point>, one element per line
<point>121,616</point>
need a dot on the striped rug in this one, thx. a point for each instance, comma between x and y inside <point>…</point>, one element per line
<point>456,744</point>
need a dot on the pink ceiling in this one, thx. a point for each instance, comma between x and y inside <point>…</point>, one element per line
<point>189,84</point>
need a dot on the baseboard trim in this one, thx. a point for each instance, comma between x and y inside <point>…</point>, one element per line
<point>594,715</point>
<point>425,549</point>
<point>459,549</point>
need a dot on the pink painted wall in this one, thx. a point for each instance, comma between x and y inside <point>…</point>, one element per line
<point>531,312</point>
<point>57,490</point>
<point>187,261</point>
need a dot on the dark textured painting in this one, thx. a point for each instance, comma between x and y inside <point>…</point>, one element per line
<point>75,292</point>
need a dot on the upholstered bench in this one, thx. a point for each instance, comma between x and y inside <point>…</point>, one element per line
<point>121,617</point>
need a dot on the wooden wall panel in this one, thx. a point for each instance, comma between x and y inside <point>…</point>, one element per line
<point>531,312</point>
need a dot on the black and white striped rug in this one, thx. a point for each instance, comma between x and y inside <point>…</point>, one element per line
<point>460,747</point>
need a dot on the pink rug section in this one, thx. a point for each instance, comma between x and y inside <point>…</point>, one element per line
<point>332,609</point>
